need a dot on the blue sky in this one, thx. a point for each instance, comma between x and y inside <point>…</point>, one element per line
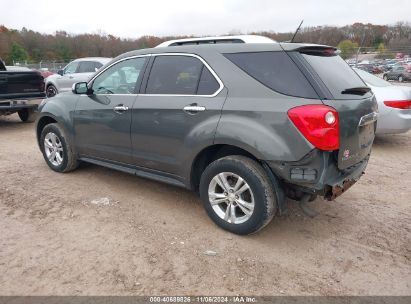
<point>131,18</point>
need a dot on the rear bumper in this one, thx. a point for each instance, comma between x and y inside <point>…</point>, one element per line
<point>317,173</point>
<point>13,106</point>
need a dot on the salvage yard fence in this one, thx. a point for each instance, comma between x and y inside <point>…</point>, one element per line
<point>52,66</point>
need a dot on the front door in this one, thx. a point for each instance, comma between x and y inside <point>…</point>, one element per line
<point>102,119</point>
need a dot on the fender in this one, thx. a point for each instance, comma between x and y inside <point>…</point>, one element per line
<point>62,112</point>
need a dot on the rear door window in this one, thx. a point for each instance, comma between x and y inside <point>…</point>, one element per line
<point>336,74</point>
<point>86,67</point>
<point>208,85</point>
<point>276,71</point>
<point>180,75</point>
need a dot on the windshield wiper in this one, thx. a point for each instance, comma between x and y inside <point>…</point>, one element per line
<point>356,91</point>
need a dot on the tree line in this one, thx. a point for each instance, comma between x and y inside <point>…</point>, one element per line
<point>27,45</point>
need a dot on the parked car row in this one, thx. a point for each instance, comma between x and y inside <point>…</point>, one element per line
<point>391,69</point>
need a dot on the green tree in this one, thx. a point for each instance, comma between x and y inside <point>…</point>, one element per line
<point>347,48</point>
<point>17,54</point>
<point>381,49</point>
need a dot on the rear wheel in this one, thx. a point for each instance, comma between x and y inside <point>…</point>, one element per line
<point>385,77</point>
<point>400,78</point>
<point>27,115</point>
<point>51,91</point>
<point>238,195</point>
<point>57,151</point>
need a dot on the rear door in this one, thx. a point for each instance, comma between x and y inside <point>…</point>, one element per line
<point>342,89</point>
<point>180,103</point>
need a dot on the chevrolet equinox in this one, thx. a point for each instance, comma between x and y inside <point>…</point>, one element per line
<point>244,124</point>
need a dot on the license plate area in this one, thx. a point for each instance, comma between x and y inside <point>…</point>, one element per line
<point>366,135</point>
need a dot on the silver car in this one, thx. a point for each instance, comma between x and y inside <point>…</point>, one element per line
<point>76,71</point>
<point>394,104</point>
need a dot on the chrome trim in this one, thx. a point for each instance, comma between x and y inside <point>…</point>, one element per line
<point>369,118</point>
<point>205,64</point>
<point>194,108</point>
<point>120,108</point>
<point>164,54</point>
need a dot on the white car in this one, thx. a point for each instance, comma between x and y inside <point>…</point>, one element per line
<point>394,104</point>
<point>78,70</point>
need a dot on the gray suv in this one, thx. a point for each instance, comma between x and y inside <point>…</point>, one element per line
<point>245,125</point>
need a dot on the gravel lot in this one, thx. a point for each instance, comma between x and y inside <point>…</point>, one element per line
<point>60,236</point>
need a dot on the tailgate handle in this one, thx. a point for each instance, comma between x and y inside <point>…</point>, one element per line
<point>369,118</point>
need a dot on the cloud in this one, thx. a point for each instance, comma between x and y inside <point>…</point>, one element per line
<point>130,18</point>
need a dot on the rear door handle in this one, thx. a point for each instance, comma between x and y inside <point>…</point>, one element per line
<point>120,108</point>
<point>192,109</point>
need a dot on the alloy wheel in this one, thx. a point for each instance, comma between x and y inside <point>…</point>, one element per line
<point>51,91</point>
<point>53,148</point>
<point>231,197</point>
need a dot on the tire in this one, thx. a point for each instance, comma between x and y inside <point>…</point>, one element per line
<point>66,161</point>
<point>261,195</point>
<point>51,91</point>
<point>27,115</point>
<point>385,77</point>
<point>400,78</point>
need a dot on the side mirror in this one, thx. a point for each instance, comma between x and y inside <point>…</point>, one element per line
<point>60,72</point>
<point>80,88</point>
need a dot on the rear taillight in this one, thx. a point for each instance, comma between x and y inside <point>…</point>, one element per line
<point>319,124</point>
<point>398,104</point>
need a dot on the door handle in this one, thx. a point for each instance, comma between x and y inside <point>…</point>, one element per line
<point>120,108</point>
<point>194,108</point>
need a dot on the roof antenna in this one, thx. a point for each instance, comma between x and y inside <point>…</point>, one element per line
<point>298,28</point>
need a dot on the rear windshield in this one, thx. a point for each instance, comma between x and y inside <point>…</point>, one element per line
<point>276,71</point>
<point>336,75</point>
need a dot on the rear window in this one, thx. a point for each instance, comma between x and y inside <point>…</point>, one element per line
<point>276,71</point>
<point>336,75</point>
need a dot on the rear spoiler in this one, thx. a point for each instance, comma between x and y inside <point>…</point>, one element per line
<point>325,51</point>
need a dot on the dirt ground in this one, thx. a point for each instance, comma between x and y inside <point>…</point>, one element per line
<point>60,236</point>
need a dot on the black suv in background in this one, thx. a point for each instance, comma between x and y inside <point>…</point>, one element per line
<point>243,124</point>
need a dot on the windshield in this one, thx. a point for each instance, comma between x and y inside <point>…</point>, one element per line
<point>336,75</point>
<point>371,79</point>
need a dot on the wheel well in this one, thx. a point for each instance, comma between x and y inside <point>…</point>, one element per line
<point>44,121</point>
<point>210,154</point>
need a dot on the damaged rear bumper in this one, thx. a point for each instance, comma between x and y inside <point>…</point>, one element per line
<point>318,173</point>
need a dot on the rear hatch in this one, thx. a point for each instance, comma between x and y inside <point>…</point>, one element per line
<point>341,88</point>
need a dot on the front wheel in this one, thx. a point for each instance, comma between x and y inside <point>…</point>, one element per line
<point>51,91</point>
<point>238,195</point>
<point>385,77</point>
<point>57,151</point>
<point>400,79</point>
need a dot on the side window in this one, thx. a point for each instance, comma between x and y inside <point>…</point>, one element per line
<point>97,65</point>
<point>71,68</point>
<point>208,85</point>
<point>86,67</point>
<point>276,71</point>
<point>120,78</point>
<point>178,75</point>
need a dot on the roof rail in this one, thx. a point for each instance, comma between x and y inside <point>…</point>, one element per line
<point>218,39</point>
